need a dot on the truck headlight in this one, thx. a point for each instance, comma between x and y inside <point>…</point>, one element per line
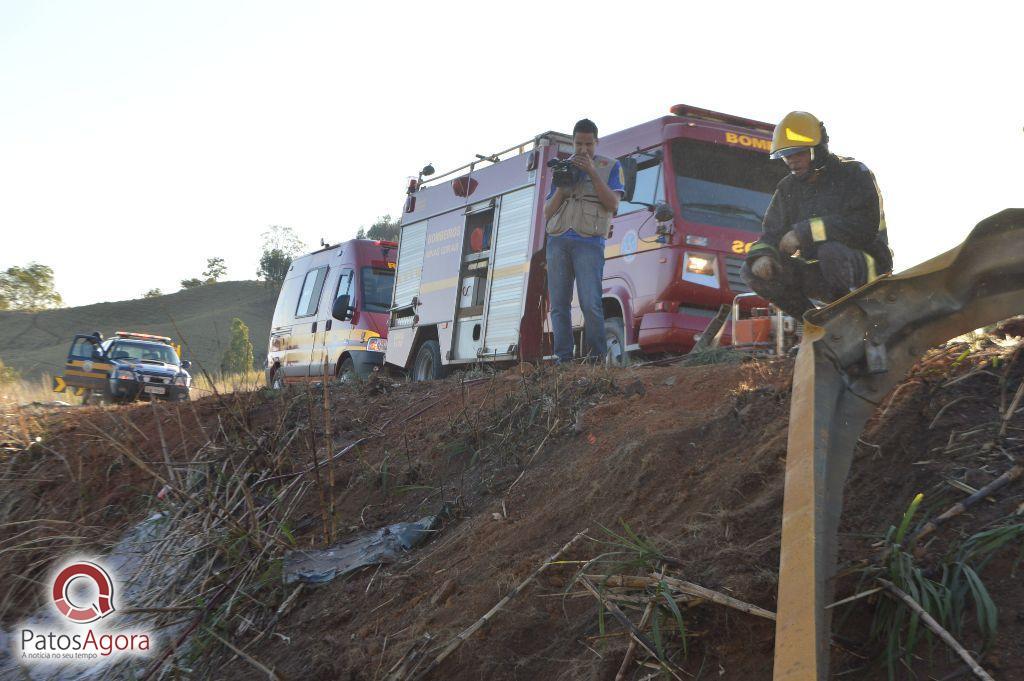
<point>182,380</point>
<point>124,375</point>
<point>377,345</point>
<point>700,264</point>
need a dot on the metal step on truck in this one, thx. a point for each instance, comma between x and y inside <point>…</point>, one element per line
<point>470,280</point>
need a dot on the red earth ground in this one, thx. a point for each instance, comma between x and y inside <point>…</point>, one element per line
<point>691,458</point>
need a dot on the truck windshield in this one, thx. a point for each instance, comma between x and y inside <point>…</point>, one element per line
<point>136,352</point>
<point>377,283</point>
<point>724,186</point>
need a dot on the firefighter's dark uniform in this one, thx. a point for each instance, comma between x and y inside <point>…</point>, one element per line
<point>843,242</point>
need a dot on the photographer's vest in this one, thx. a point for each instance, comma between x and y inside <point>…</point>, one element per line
<point>582,211</point>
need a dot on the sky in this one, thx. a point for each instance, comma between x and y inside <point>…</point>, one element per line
<point>138,139</point>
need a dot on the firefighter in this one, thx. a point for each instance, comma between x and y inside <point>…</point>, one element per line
<point>578,214</point>
<point>824,231</point>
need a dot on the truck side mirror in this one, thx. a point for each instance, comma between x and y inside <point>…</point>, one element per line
<point>663,212</point>
<point>629,174</point>
<point>186,365</point>
<point>342,310</point>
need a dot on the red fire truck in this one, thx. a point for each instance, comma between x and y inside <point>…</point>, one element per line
<point>470,281</point>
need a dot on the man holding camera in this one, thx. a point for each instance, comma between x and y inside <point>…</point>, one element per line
<point>829,211</point>
<point>585,193</point>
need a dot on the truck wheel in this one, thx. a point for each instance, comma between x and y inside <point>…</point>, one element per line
<point>427,365</point>
<point>98,397</point>
<point>615,337</point>
<point>347,371</point>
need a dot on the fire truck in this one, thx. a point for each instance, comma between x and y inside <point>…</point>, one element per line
<point>470,280</point>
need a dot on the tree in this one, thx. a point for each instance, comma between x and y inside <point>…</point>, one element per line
<point>215,269</point>
<point>280,245</point>
<point>238,357</point>
<point>153,293</point>
<point>283,239</point>
<point>385,229</point>
<point>191,283</point>
<point>273,267</point>
<point>28,288</point>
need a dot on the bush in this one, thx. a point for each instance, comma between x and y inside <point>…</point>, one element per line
<point>8,374</point>
<point>238,357</point>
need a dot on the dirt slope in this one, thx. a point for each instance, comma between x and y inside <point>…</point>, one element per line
<point>692,458</point>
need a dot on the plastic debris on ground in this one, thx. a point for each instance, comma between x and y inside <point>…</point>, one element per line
<point>385,545</point>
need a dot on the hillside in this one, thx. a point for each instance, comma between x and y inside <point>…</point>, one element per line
<point>38,343</point>
<point>685,464</point>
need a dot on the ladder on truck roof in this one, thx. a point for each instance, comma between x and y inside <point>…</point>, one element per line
<point>542,140</point>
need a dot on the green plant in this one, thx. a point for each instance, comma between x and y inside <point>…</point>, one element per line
<point>894,624</point>
<point>215,269</point>
<point>947,599</point>
<point>962,579</point>
<point>237,358</point>
<point>8,374</point>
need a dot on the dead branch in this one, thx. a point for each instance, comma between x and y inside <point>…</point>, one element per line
<point>1013,408</point>
<point>689,589</point>
<point>631,650</point>
<point>472,629</point>
<point>961,506</point>
<point>271,674</point>
<point>634,633</point>
<point>946,637</point>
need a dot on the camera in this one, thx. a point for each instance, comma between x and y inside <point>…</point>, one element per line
<point>565,174</point>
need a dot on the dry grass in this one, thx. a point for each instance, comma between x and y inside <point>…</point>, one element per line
<point>38,390</point>
<point>33,390</point>
<point>214,554</point>
<point>204,384</point>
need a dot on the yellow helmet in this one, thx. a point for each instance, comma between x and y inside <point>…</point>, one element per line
<point>797,131</point>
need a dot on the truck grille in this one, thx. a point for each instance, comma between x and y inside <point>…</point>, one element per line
<point>154,379</point>
<point>733,265</point>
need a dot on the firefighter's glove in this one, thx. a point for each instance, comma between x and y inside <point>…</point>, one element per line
<point>790,243</point>
<point>764,267</point>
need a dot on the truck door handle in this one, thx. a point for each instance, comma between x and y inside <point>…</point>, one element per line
<point>314,328</point>
<point>327,326</point>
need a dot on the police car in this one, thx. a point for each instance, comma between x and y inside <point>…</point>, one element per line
<point>126,367</point>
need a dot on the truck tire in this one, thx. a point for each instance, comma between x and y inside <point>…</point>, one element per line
<point>98,397</point>
<point>427,365</point>
<point>615,337</point>
<point>347,371</point>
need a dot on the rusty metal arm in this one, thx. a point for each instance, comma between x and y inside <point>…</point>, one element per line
<point>853,352</point>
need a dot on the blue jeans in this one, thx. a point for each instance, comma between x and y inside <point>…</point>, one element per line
<point>570,259</point>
